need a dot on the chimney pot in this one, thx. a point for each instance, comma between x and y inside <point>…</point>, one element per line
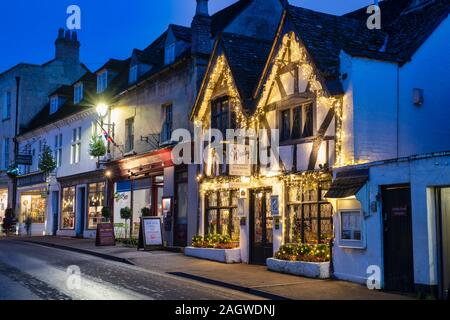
<point>202,8</point>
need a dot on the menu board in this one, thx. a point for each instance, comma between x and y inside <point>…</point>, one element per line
<point>152,232</point>
<point>105,235</point>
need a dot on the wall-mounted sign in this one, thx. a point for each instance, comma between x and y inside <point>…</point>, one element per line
<point>274,205</point>
<point>105,235</point>
<point>243,194</point>
<point>239,160</point>
<point>150,235</point>
<point>24,159</point>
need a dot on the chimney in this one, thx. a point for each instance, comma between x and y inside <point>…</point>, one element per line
<point>67,46</point>
<point>201,30</point>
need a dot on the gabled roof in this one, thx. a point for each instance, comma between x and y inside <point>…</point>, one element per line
<point>222,18</point>
<point>114,65</point>
<point>62,91</point>
<point>246,58</point>
<point>405,28</point>
<point>325,35</point>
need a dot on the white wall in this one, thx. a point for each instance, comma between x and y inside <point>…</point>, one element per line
<point>351,264</point>
<point>426,128</point>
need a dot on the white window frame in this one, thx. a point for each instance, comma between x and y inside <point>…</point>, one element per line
<point>134,73</point>
<point>78,93</point>
<point>169,55</point>
<point>7,104</point>
<point>102,81</point>
<point>54,104</point>
<point>58,150</point>
<point>349,243</point>
<point>75,147</point>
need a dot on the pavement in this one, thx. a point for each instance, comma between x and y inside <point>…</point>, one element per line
<point>255,280</point>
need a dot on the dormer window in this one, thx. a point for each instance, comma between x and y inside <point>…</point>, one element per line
<point>54,104</point>
<point>133,74</point>
<point>102,81</point>
<point>78,93</point>
<point>169,56</point>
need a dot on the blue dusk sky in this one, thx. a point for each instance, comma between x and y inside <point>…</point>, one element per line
<point>109,28</point>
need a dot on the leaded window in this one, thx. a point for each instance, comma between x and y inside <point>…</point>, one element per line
<point>221,213</point>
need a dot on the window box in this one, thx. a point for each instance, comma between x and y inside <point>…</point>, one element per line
<point>220,255</point>
<point>319,270</point>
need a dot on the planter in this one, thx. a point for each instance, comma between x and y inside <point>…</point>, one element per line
<point>299,268</point>
<point>220,255</point>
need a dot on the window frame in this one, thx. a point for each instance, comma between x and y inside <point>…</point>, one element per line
<point>74,208</point>
<point>226,117</point>
<point>129,134</point>
<point>7,105</point>
<point>54,104</point>
<point>230,207</point>
<point>292,108</point>
<point>75,146</point>
<point>167,128</point>
<point>133,74</point>
<point>351,243</point>
<point>78,93</point>
<point>58,149</point>
<point>102,81</point>
<point>170,53</point>
<point>97,192</point>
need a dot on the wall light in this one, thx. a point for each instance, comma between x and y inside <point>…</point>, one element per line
<point>102,110</point>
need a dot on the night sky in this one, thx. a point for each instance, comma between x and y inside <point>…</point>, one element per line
<point>110,28</point>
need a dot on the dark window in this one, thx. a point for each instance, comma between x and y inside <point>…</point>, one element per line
<point>222,117</point>
<point>297,122</point>
<point>285,125</point>
<point>166,134</point>
<point>309,124</point>
<point>129,131</point>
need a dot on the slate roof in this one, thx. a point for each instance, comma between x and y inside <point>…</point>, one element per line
<point>246,57</point>
<point>225,16</point>
<point>405,30</point>
<point>62,91</point>
<point>325,35</point>
<point>44,117</point>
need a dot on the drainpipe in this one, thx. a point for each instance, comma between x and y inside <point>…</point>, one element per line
<point>398,111</point>
<point>16,144</point>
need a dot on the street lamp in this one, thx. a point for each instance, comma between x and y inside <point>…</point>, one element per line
<point>102,110</point>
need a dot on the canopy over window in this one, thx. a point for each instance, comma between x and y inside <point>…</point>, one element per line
<point>347,184</point>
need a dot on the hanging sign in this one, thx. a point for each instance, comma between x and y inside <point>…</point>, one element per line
<point>239,160</point>
<point>24,159</point>
<point>105,235</point>
<point>150,234</point>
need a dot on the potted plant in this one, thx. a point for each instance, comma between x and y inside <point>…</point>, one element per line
<point>146,212</point>
<point>46,162</point>
<point>308,260</point>
<point>215,247</point>
<point>106,214</point>
<point>97,148</point>
<point>125,214</point>
<point>13,171</point>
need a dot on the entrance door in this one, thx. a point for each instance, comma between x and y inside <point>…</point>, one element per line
<point>181,219</point>
<point>55,212</point>
<point>261,227</point>
<point>443,197</point>
<point>81,211</point>
<point>398,248</point>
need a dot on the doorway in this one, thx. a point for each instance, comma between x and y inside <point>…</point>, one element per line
<point>261,226</point>
<point>398,245</point>
<point>55,212</point>
<point>181,215</point>
<point>80,212</point>
<point>443,222</point>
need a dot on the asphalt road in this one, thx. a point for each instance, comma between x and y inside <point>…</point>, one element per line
<point>33,272</point>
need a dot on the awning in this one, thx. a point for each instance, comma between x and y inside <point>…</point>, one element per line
<point>347,184</point>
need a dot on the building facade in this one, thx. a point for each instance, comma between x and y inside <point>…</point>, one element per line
<point>24,92</point>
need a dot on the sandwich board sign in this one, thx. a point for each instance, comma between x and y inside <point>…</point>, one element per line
<point>150,234</point>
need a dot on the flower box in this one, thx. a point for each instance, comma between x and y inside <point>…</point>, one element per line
<point>220,255</point>
<point>319,270</point>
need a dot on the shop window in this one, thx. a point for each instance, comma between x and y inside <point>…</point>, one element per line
<point>33,205</point>
<point>96,200</point>
<point>297,122</point>
<point>221,214</point>
<point>309,216</point>
<point>68,209</point>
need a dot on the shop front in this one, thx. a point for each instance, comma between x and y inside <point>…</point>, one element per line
<point>32,196</point>
<point>150,184</point>
<point>263,213</point>
<point>3,204</point>
<point>82,198</point>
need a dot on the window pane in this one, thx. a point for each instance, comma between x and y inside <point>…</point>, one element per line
<point>309,124</point>
<point>285,125</point>
<point>68,209</point>
<point>297,123</point>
